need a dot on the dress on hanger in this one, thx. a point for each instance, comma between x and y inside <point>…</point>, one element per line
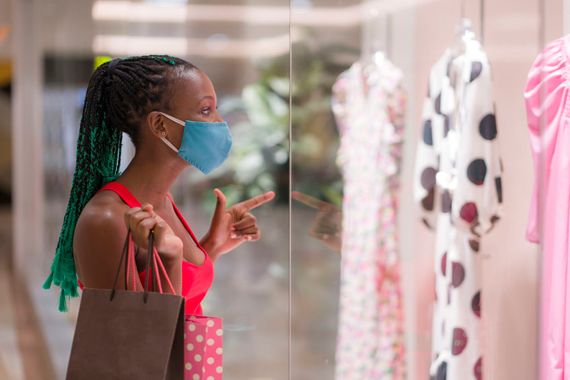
<point>548,115</point>
<point>458,184</point>
<point>369,107</point>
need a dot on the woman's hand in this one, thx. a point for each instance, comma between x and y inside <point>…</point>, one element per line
<point>141,220</point>
<point>231,227</point>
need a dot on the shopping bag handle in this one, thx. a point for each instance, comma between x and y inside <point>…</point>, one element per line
<point>149,264</point>
<point>126,248</point>
<point>153,258</point>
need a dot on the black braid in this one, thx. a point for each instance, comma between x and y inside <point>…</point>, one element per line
<point>139,85</point>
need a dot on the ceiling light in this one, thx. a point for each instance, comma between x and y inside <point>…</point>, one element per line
<point>218,46</point>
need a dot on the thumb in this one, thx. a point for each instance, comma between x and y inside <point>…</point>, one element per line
<point>220,204</point>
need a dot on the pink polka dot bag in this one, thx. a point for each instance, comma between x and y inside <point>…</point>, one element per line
<point>203,348</point>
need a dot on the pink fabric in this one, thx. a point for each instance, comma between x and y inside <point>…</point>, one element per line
<point>548,115</point>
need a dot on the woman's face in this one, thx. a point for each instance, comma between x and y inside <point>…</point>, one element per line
<point>193,98</point>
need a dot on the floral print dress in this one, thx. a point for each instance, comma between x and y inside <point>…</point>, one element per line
<point>368,103</point>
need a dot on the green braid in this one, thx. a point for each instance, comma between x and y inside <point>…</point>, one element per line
<point>118,97</point>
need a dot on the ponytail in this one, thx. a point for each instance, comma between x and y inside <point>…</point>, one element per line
<point>97,161</point>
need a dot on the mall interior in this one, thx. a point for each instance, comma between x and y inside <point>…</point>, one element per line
<point>403,140</point>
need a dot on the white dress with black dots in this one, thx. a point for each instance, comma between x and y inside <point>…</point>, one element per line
<point>458,184</point>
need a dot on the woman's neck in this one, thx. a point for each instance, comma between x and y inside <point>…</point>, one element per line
<point>150,179</point>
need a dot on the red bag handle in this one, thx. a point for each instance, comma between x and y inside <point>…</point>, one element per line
<point>153,258</point>
<point>164,273</point>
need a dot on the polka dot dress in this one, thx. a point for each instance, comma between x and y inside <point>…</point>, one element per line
<point>369,106</point>
<point>458,187</point>
<point>203,348</point>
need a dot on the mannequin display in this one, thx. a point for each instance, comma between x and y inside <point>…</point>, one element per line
<point>458,184</point>
<point>548,116</point>
<point>368,103</point>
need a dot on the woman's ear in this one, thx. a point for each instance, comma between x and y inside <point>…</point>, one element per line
<point>155,122</point>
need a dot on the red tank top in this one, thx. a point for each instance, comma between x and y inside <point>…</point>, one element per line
<point>196,279</point>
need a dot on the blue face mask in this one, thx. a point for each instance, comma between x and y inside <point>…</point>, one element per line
<point>205,145</point>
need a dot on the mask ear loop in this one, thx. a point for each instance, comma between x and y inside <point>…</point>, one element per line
<point>177,121</point>
<point>170,145</point>
<point>164,139</point>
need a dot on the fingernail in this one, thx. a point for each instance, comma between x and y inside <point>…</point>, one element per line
<point>233,236</point>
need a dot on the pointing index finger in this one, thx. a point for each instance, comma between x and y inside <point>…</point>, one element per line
<point>258,200</point>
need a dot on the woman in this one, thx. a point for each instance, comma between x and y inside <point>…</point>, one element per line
<point>149,98</point>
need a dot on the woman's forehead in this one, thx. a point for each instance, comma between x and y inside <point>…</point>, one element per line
<point>191,89</point>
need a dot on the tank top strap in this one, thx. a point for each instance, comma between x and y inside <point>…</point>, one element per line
<point>187,226</point>
<point>122,192</point>
<point>127,197</point>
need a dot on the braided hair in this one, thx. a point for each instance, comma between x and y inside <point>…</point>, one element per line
<point>119,95</point>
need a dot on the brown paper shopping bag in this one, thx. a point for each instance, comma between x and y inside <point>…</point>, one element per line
<point>128,335</point>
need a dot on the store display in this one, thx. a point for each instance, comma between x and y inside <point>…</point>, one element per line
<point>546,97</point>
<point>369,104</point>
<point>458,183</point>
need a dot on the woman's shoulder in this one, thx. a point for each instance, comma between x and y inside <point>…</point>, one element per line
<point>102,215</point>
<point>98,238</point>
<point>104,206</point>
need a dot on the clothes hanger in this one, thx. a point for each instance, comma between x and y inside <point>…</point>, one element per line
<point>374,52</point>
<point>463,34</point>
<point>464,31</point>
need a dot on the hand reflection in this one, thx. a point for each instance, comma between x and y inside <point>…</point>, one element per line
<point>327,225</point>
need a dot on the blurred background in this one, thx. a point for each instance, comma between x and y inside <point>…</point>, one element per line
<point>273,64</point>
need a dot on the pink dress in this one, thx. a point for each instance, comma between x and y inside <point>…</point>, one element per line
<point>548,115</point>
